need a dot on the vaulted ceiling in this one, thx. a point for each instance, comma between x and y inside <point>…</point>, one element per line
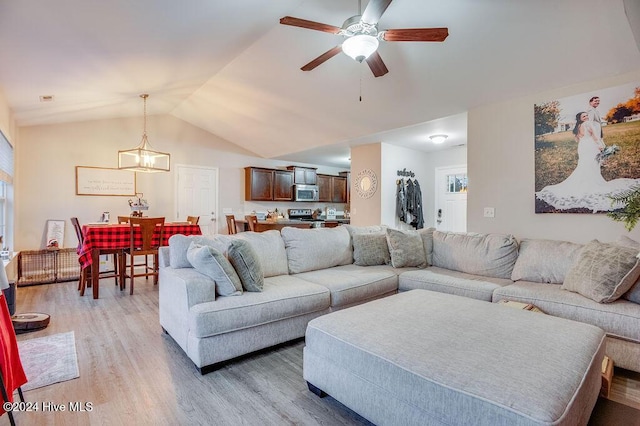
<point>230,68</point>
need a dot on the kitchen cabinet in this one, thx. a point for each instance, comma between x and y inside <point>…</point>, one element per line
<point>332,189</point>
<point>347,176</point>
<point>258,184</point>
<point>303,175</point>
<point>282,185</point>
<point>267,184</point>
<point>324,189</point>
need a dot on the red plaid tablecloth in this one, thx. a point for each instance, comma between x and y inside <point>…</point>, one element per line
<point>117,236</point>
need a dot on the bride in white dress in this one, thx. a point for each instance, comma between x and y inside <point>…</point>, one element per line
<point>585,187</point>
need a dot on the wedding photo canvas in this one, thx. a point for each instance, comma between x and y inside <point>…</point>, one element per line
<point>587,149</point>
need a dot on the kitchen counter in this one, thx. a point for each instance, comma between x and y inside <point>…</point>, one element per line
<point>265,225</point>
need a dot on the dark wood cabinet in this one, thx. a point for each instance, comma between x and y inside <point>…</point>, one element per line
<point>303,175</point>
<point>325,189</point>
<point>347,176</point>
<point>332,189</point>
<point>258,184</point>
<point>339,189</point>
<point>282,185</point>
<point>267,184</point>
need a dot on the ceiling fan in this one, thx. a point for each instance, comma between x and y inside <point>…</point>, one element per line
<point>362,35</point>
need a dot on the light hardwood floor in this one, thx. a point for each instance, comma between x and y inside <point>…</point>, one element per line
<point>133,373</point>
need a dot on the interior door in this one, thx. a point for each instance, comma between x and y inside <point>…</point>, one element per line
<point>451,199</point>
<point>197,195</point>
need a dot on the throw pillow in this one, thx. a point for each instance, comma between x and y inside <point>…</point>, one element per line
<point>633,295</point>
<point>544,261</point>
<point>247,265</point>
<point>406,248</point>
<point>603,272</point>
<point>370,249</point>
<point>212,263</point>
<point>489,255</point>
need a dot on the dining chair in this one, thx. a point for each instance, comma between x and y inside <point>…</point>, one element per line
<point>123,219</point>
<point>193,220</point>
<point>252,220</point>
<point>231,224</point>
<point>85,274</point>
<point>149,226</point>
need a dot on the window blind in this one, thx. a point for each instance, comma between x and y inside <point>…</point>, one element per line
<point>6,160</point>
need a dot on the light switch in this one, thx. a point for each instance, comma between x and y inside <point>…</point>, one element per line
<point>489,212</point>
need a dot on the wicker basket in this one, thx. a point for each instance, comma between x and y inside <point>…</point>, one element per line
<point>47,266</point>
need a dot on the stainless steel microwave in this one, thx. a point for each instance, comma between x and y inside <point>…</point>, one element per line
<point>305,192</point>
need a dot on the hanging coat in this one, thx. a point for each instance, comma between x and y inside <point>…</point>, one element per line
<point>418,215</point>
<point>401,201</point>
<point>410,192</point>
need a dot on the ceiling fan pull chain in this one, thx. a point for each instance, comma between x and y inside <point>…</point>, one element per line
<point>360,84</point>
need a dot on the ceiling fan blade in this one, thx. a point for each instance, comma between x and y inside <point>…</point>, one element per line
<point>378,68</point>
<point>416,34</point>
<point>374,11</point>
<point>322,58</point>
<point>311,25</point>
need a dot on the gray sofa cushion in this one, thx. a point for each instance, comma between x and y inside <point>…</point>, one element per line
<point>406,248</point>
<point>283,297</point>
<point>269,247</point>
<point>370,249</point>
<point>317,248</point>
<point>490,255</point>
<point>212,263</point>
<point>545,261</point>
<point>452,282</point>
<point>620,318</point>
<point>246,263</point>
<point>603,272</point>
<point>351,284</point>
<point>634,292</point>
<point>179,244</point>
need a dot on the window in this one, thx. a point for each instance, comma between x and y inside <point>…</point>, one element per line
<point>6,192</point>
<point>457,183</point>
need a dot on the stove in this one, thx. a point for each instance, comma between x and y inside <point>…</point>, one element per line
<point>301,214</point>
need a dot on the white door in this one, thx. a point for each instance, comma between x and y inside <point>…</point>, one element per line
<point>197,195</point>
<point>451,199</point>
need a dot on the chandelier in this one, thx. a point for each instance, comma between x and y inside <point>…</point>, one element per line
<point>144,158</point>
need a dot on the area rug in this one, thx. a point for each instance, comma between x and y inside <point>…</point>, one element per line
<point>49,359</point>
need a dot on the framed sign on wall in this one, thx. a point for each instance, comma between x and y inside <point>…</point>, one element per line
<point>104,181</point>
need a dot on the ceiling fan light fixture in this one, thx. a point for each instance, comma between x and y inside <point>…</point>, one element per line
<point>438,139</point>
<point>360,46</point>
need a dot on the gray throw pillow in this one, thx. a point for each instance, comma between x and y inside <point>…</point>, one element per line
<point>247,265</point>
<point>370,249</point>
<point>212,263</point>
<point>545,261</point>
<point>633,295</point>
<point>406,248</point>
<point>603,272</point>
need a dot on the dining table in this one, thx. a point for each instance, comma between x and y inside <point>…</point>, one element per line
<point>100,237</point>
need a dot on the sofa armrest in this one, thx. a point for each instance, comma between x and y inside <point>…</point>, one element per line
<point>185,286</point>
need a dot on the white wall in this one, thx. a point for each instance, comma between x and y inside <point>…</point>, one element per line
<point>385,160</point>
<point>48,154</point>
<point>501,172</point>
<point>397,158</point>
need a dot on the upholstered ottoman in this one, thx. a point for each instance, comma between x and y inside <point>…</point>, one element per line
<point>421,358</point>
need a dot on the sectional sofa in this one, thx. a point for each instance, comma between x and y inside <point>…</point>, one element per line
<point>306,273</point>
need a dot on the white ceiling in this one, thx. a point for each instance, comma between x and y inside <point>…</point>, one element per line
<point>230,68</point>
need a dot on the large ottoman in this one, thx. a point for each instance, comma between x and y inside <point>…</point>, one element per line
<point>421,358</point>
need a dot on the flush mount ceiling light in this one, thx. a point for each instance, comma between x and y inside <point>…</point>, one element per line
<point>438,139</point>
<point>144,158</point>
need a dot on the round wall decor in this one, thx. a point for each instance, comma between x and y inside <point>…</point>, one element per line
<point>366,183</point>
